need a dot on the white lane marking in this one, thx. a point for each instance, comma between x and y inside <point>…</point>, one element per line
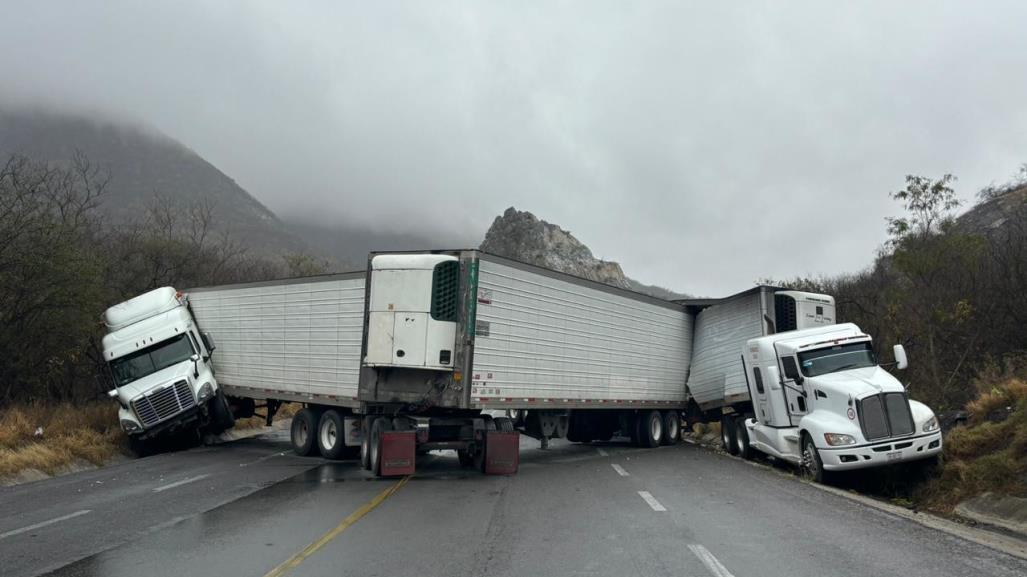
<point>620,470</point>
<point>180,483</point>
<point>602,453</point>
<point>711,562</point>
<point>43,524</point>
<point>656,506</point>
<point>262,459</point>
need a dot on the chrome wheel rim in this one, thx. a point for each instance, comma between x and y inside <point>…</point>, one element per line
<point>739,440</point>
<point>329,434</point>
<point>301,434</point>
<point>656,429</point>
<point>809,462</point>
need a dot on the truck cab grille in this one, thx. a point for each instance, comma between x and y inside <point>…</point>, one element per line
<point>885,415</point>
<point>163,404</point>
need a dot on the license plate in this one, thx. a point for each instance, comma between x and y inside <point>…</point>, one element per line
<point>894,456</point>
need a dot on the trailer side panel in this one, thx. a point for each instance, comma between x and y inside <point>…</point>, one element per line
<point>717,377</point>
<point>545,341</point>
<point>287,339</point>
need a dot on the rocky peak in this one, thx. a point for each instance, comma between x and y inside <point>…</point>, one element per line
<point>522,236</point>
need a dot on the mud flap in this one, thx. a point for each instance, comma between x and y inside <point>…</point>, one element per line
<point>502,456</point>
<point>399,449</point>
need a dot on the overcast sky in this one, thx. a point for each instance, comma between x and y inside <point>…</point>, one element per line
<point>702,146</point>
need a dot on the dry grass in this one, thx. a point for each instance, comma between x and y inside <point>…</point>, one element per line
<point>255,422</point>
<point>983,456</point>
<point>66,433</point>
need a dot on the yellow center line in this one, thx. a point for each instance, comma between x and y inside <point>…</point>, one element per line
<point>294,561</point>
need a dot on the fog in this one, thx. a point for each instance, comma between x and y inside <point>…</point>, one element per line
<point>702,146</point>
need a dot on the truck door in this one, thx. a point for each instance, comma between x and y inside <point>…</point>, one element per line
<point>794,391</point>
<point>758,389</point>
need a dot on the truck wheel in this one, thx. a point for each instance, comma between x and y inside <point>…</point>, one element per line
<point>742,439</point>
<point>671,428</point>
<point>727,434</point>
<point>330,435</point>
<point>504,424</point>
<point>365,443</point>
<point>221,413</point>
<point>140,447</point>
<point>304,423</point>
<point>812,466</point>
<point>650,429</point>
<point>479,454</point>
<point>378,427</point>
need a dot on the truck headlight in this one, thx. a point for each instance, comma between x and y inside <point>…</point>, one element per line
<point>931,425</point>
<point>206,392</point>
<point>130,426</point>
<point>836,439</point>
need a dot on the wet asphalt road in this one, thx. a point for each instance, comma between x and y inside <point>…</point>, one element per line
<point>248,507</point>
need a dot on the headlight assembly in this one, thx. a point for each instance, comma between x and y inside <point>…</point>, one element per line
<point>931,425</point>
<point>837,439</point>
<point>206,392</point>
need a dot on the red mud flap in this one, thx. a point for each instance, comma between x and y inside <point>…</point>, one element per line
<point>399,450</point>
<point>502,453</point>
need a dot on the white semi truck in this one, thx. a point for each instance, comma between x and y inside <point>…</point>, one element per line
<point>406,356</point>
<point>158,363</point>
<point>783,379</point>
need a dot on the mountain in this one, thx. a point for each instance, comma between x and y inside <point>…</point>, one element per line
<point>143,164</point>
<point>1001,208</point>
<point>521,236</point>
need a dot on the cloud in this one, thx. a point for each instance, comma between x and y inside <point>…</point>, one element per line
<point>701,146</point>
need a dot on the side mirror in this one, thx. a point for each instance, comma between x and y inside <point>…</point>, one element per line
<point>208,341</point>
<point>901,362</point>
<point>196,370</point>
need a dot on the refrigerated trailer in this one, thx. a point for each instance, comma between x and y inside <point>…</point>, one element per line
<point>783,379</point>
<point>418,351</point>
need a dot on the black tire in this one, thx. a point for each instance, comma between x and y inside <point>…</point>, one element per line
<point>727,434</point>
<point>379,426</point>
<point>365,443</point>
<point>671,428</point>
<point>331,434</point>
<point>479,454</point>
<point>810,463</point>
<point>742,439</point>
<point>141,447</point>
<point>221,418</point>
<point>650,429</point>
<point>504,424</point>
<point>303,431</point>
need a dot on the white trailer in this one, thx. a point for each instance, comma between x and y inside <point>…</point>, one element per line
<point>784,380</point>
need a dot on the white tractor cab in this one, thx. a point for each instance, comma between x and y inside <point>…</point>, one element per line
<point>821,401</point>
<point>158,363</point>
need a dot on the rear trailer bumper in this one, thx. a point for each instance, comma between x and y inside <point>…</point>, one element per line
<point>883,453</point>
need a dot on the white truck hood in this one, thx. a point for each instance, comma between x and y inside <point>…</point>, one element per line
<point>166,376</point>
<point>857,382</point>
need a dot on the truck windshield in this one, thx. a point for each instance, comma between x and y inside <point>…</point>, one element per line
<point>151,359</point>
<point>837,358</point>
